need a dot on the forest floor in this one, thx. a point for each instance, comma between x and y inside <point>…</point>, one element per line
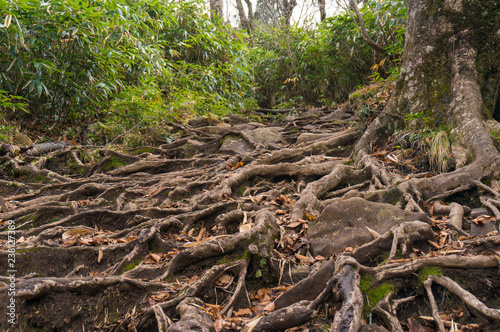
<point>244,223</point>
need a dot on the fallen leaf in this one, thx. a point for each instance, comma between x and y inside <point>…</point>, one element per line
<point>434,244</point>
<point>76,232</point>
<point>224,281</point>
<point>309,216</point>
<point>243,312</point>
<point>155,257</point>
<point>200,235</point>
<point>375,234</point>
<point>269,307</point>
<point>99,257</point>
<point>294,224</point>
<point>245,227</point>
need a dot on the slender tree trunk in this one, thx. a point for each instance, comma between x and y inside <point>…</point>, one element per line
<point>216,8</point>
<point>286,9</point>
<point>322,10</point>
<point>246,18</point>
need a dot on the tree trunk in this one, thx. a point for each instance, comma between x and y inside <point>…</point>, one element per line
<point>246,20</point>
<point>449,58</point>
<point>286,8</point>
<point>216,8</point>
<point>322,9</point>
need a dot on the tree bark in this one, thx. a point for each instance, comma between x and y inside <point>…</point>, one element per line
<point>246,19</point>
<point>216,9</point>
<point>322,10</point>
<point>286,9</point>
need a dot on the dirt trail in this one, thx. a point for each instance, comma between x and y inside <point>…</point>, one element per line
<point>210,232</point>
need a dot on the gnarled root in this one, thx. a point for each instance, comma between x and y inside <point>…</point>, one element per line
<point>263,232</point>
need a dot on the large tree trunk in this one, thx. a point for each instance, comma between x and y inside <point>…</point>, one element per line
<point>449,59</point>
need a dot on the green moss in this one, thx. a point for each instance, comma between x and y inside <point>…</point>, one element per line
<point>131,265</point>
<point>242,189</point>
<point>112,163</point>
<point>31,250</point>
<point>142,150</point>
<point>38,179</point>
<point>374,295</point>
<point>427,271</point>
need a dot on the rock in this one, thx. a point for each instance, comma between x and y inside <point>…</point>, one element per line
<point>215,130</point>
<point>372,328</point>
<point>266,135</point>
<point>237,144</point>
<point>339,114</point>
<point>309,137</point>
<point>479,212</point>
<point>243,127</point>
<point>235,119</point>
<point>315,112</point>
<point>343,224</point>
<point>481,229</point>
<point>22,139</point>
<point>198,122</point>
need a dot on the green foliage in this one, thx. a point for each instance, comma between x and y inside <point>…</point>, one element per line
<point>66,57</point>
<point>208,62</point>
<point>132,64</point>
<point>77,61</point>
<point>297,65</point>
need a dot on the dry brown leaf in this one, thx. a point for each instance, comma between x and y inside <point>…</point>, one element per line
<point>243,312</point>
<point>224,281</point>
<point>200,235</point>
<point>434,244</point>
<point>294,224</point>
<point>99,257</point>
<point>309,216</point>
<point>76,232</point>
<point>269,307</point>
<point>245,227</point>
<point>375,234</point>
<point>155,257</point>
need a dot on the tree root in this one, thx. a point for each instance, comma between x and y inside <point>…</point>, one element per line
<point>284,169</point>
<point>240,289</point>
<point>309,202</point>
<point>348,318</point>
<point>38,287</point>
<point>263,232</point>
<point>192,290</point>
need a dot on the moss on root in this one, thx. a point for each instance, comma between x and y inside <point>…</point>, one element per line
<point>373,294</point>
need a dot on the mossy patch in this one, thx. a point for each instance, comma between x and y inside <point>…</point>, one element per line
<point>112,163</point>
<point>374,295</point>
<point>131,265</point>
<point>427,271</point>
